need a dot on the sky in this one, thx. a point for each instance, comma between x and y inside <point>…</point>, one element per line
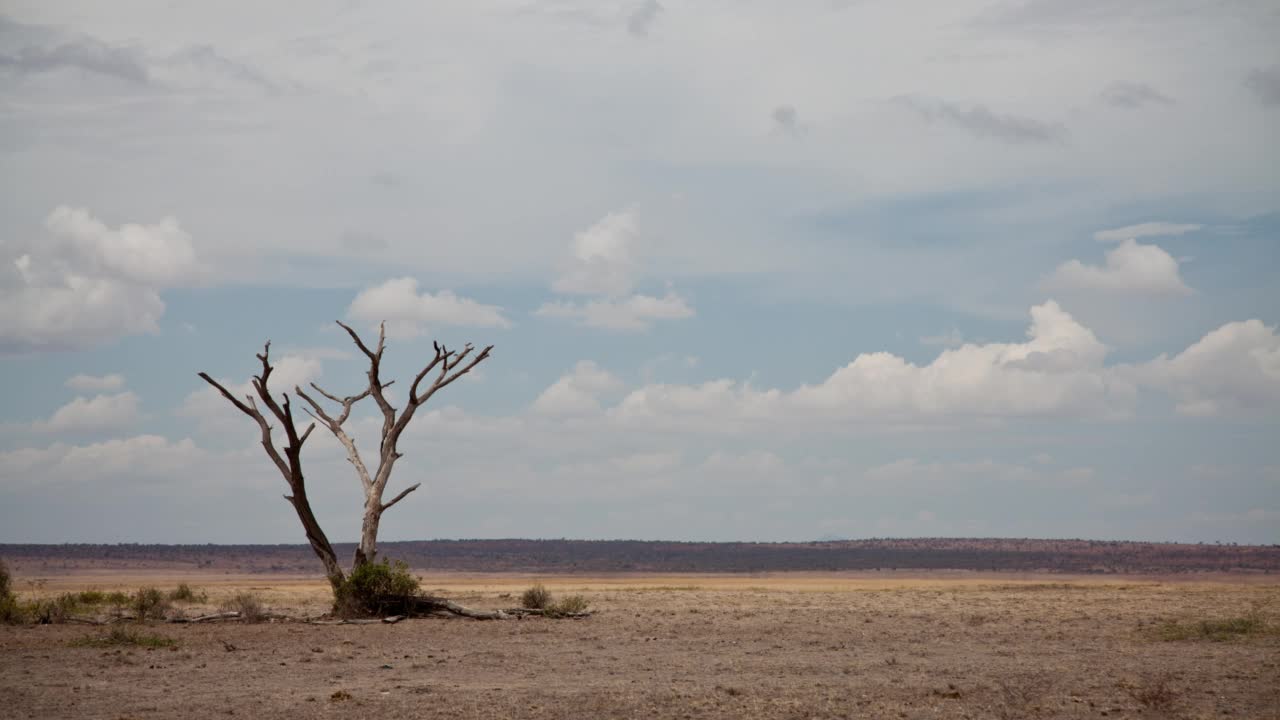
<point>752,270</point>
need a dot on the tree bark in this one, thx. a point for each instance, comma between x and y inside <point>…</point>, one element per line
<point>290,464</point>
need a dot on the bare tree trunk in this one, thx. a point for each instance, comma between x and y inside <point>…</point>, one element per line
<point>290,465</point>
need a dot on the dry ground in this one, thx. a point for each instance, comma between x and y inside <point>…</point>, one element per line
<point>776,646</point>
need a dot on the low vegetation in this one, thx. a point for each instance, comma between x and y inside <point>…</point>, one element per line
<point>539,597</point>
<point>185,593</point>
<point>125,636</point>
<point>248,605</point>
<point>373,588</point>
<point>1253,623</point>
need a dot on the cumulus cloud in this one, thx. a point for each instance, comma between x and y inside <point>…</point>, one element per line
<point>635,312</point>
<point>981,122</point>
<point>95,383</point>
<point>1130,95</point>
<point>1146,229</point>
<point>1057,372</point>
<point>602,262</point>
<point>408,313</point>
<point>1235,368</point>
<point>1129,268</point>
<point>101,412</point>
<point>578,392</point>
<point>89,283</point>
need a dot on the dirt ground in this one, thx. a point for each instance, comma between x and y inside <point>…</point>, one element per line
<point>775,646</point>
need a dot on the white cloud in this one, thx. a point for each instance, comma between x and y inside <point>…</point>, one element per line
<point>1129,268</point>
<point>1057,372</point>
<point>1147,229</point>
<point>578,392</point>
<point>636,312</point>
<point>88,283</point>
<point>159,255</point>
<point>141,456</point>
<point>95,383</point>
<point>603,264</point>
<point>602,261</point>
<point>101,412</point>
<point>408,313</point>
<point>1235,368</point>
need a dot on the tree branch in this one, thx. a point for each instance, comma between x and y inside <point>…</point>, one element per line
<point>401,496</point>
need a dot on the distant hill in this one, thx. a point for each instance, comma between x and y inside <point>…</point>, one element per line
<point>602,556</point>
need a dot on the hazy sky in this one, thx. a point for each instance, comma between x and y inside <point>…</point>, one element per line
<point>754,270</point>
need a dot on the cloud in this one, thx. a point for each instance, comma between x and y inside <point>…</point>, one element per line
<point>1265,84</point>
<point>642,17</point>
<point>635,312</point>
<point>1147,229</point>
<point>1233,369</point>
<point>408,313</point>
<point>1130,268</point>
<point>159,255</point>
<point>1057,372</point>
<point>602,261</point>
<point>578,392</point>
<point>102,412</point>
<point>982,122</point>
<point>95,383</point>
<point>85,54</point>
<point>141,456</point>
<point>89,283</point>
<point>1130,96</point>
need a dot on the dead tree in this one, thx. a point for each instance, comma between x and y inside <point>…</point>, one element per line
<point>446,367</point>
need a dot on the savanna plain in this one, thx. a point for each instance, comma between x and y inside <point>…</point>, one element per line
<point>780,645</point>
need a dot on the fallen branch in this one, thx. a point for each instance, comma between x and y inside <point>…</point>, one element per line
<point>230,615</point>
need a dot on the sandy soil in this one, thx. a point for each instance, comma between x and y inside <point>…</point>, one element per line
<point>775,646</point>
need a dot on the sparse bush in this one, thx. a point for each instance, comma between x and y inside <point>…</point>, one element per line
<point>372,588</point>
<point>124,636</point>
<point>150,604</point>
<point>248,605</point>
<point>537,597</point>
<point>6,581</point>
<point>185,593</point>
<point>572,605</point>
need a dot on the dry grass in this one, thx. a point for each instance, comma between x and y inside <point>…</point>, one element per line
<point>708,647</point>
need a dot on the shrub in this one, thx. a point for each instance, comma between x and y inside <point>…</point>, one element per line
<point>536,598</point>
<point>6,581</point>
<point>150,604</point>
<point>185,593</point>
<point>572,605</point>
<point>373,588</point>
<point>248,605</point>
